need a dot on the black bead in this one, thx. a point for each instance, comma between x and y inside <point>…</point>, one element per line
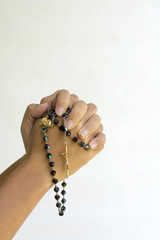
<point>69,109</point>
<point>43,115</point>
<point>57,197</point>
<point>52,110</point>
<point>50,117</point>
<point>58,204</point>
<point>75,139</point>
<point>56,189</point>
<point>61,213</point>
<point>63,208</point>
<point>56,121</point>
<point>68,133</point>
<point>82,144</point>
<point>44,130</point>
<point>51,164</point>
<point>65,115</point>
<point>63,128</point>
<point>63,192</point>
<point>49,155</point>
<point>55,180</point>
<point>46,146</point>
<point>64,184</point>
<point>53,172</point>
<point>53,114</point>
<point>45,138</point>
<point>63,200</point>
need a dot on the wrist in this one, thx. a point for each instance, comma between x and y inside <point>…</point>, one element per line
<point>39,170</point>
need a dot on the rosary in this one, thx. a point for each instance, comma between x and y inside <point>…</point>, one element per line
<point>49,119</point>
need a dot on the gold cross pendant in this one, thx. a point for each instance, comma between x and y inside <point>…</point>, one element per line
<point>66,156</point>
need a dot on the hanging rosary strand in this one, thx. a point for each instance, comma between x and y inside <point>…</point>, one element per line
<point>48,120</point>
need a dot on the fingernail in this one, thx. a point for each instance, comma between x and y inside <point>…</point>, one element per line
<point>60,111</point>
<point>84,133</point>
<point>69,123</point>
<point>93,145</point>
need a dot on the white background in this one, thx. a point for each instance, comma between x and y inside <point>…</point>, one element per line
<point>106,52</point>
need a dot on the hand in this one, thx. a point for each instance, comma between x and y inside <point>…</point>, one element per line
<point>35,111</point>
<point>84,119</point>
<point>59,99</point>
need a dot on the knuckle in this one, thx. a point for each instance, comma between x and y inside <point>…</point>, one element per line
<point>74,96</point>
<point>62,96</point>
<point>101,147</point>
<point>101,128</point>
<point>98,118</point>
<point>102,139</point>
<point>82,103</point>
<point>29,108</point>
<point>76,114</point>
<point>43,100</point>
<point>92,107</point>
<point>63,91</point>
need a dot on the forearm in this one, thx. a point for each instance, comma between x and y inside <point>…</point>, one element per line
<point>19,194</point>
<point>10,169</point>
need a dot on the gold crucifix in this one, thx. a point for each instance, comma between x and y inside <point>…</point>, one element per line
<point>66,155</point>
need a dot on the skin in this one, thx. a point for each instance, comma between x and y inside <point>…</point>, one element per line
<point>26,181</point>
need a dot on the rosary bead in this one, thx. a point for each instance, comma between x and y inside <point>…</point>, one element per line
<point>63,192</point>
<point>56,189</point>
<point>45,138</point>
<point>44,130</point>
<point>61,213</point>
<point>53,172</point>
<point>58,204</point>
<point>75,139</point>
<point>49,155</point>
<point>82,144</point>
<point>55,180</point>
<point>46,146</point>
<point>63,128</point>
<point>49,117</point>
<point>55,121</point>
<point>64,184</point>
<point>63,200</point>
<point>57,197</point>
<point>52,110</point>
<point>63,208</point>
<point>53,114</point>
<point>86,147</point>
<point>51,164</point>
<point>68,133</point>
<point>65,115</point>
<point>69,109</point>
<point>43,115</point>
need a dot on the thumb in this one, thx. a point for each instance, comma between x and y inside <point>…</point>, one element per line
<point>32,112</point>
